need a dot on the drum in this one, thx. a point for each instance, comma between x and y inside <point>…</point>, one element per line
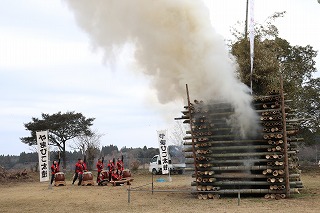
<point>104,175</point>
<point>59,176</point>
<point>87,176</point>
<point>126,173</point>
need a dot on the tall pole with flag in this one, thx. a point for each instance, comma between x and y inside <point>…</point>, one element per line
<point>246,23</point>
<point>251,38</point>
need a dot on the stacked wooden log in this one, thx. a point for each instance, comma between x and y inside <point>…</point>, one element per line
<point>226,163</point>
<point>280,128</point>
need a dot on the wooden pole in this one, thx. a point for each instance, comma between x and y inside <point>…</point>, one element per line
<point>246,23</point>
<point>129,194</point>
<point>50,176</point>
<point>286,159</point>
<point>192,137</point>
<point>152,183</point>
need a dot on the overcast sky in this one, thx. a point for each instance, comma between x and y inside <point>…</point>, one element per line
<point>47,65</point>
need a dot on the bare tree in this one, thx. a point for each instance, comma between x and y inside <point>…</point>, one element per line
<point>89,145</point>
<point>176,136</point>
<point>178,132</point>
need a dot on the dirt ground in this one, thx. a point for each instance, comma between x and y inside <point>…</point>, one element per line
<point>38,197</point>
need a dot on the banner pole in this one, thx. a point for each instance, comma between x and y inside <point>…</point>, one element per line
<point>251,40</point>
<point>169,177</point>
<point>50,176</point>
<point>152,183</point>
<point>129,190</point>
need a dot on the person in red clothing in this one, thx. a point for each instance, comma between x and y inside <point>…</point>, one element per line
<point>54,168</point>
<point>115,176</point>
<point>120,166</point>
<point>110,168</point>
<point>120,174</point>
<point>99,167</point>
<point>80,167</point>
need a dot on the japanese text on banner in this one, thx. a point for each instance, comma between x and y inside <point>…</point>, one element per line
<point>43,152</point>
<point>163,148</point>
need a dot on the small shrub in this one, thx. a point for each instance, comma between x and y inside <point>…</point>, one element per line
<point>135,165</point>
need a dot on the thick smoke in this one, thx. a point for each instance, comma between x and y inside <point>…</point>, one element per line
<point>175,45</point>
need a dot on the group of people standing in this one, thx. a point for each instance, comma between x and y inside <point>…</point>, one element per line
<point>114,170</point>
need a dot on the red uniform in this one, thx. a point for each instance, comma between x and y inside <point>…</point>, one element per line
<point>110,166</point>
<point>115,176</point>
<point>110,169</point>
<point>79,168</point>
<point>120,166</point>
<point>100,166</point>
<point>55,168</point>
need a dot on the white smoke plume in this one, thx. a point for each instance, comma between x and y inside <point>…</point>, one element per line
<point>175,45</point>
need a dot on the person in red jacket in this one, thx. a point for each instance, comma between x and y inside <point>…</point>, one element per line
<point>110,168</point>
<point>80,167</point>
<point>115,175</point>
<point>120,166</point>
<point>54,169</point>
<point>99,167</point>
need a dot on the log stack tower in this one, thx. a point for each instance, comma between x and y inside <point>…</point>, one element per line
<point>226,164</point>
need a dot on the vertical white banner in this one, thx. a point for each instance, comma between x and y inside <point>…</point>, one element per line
<point>163,148</point>
<point>251,38</point>
<point>43,152</point>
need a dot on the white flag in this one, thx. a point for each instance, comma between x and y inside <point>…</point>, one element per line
<point>163,148</point>
<point>43,152</point>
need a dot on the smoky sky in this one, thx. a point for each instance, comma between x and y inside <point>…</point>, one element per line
<point>174,45</point>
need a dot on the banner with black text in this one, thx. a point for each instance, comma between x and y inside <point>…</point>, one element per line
<point>43,152</point>
<point>163,148</point>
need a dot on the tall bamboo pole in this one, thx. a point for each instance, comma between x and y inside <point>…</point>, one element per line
<point>246,24</point>
<point>193,142</point>
<point>286,159</point>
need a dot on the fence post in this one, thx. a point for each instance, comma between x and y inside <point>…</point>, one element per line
<point>152,182</point>
<point>129,194</point>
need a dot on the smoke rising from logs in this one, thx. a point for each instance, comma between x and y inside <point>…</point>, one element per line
<point>175,45</point>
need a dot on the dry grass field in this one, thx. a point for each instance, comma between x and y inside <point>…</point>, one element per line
<point>33,196</point>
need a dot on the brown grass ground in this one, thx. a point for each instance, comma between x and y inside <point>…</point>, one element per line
<point>37,197</point>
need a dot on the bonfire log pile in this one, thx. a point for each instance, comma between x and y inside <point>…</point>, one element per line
<point>224,163</point>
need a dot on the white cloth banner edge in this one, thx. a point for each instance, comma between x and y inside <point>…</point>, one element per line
<point>38,134</point>
<point>160,154</point>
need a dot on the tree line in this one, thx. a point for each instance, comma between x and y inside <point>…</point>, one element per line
<point>275,56</point>
<point>108,152</point>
